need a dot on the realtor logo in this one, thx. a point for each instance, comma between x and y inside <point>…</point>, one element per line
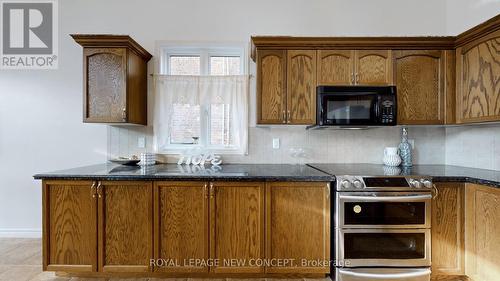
<point>29,35</point>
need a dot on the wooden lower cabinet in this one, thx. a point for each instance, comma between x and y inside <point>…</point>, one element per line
<point>69,226</point>
<point>237,226</point>
<point>298,226</point>
<point>181,225</point>
<point>125,228</point>
<point>115,228</point>
<point>482,243</point>
<point>448,230</point>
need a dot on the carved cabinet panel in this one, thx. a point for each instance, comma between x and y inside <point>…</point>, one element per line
<point>335,67</point>
<point>419,78</point>
<point>373,67</point>
<point>301,87</point>
<point>114,79</point>
<point>271,87</point>
<point>478,80</point>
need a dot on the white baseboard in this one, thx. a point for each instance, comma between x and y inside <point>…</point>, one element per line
<point>20,233</point>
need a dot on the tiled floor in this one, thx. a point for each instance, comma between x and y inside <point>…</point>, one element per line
<point>20,260</point>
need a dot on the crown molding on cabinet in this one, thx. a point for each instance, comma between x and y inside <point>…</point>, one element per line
<point>371,43</point>
<point>108,40</point>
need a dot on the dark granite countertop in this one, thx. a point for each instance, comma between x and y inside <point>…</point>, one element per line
<point>439,173</point>
<point>240,172</point>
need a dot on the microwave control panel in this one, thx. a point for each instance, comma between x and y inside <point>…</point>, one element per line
<point>387,111</point>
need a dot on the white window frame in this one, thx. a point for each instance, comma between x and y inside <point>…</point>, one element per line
<point>204,50</point>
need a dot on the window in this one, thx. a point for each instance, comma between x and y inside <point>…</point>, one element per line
<point>208,108</point>
<point>212,60</point>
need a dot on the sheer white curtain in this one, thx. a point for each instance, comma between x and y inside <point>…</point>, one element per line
<point>212,108</point>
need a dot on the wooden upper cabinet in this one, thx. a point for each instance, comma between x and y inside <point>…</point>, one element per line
<point>69,226</point>
<point>237,225</point>
<point>298,226</point>
<point>335,67</point>
<point>482,222</point>
<point>301,87</point>
<point>448,214</point>
<point>478,80</point>
<point>419,78</point>
<point>373,67</point>
<point>125,233</point>
<point>114,79</point>
<point>271,87</point>
<point>181,227</point>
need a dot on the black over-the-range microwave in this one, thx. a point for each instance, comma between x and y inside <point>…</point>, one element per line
<point>356,106</point>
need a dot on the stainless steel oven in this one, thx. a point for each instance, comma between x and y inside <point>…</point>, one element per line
<point>383,209</point>
<point>383,228</point>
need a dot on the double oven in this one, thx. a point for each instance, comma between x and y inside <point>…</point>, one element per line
<point>382,228</point>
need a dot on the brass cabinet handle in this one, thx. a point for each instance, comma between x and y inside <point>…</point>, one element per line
<point>124,114</point>
<point>99,190</point>
<point>327,190</point>
<point>357,78</point>
<point>205,190</point>
<point>352,79</point>
<point>284,116</point>
<point>93,190</point>
<point>212,190</point>
<point>289,119</point>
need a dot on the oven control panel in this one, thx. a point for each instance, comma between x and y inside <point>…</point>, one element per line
<point>363,183</point>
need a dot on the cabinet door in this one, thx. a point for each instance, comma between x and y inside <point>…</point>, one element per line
<point>105,90</point>
<point>482,224</point>
<point>181,226</point>
<point>237,226</point>
<point>69,226</point>
<point>373,67</point>
<point>125,226</point>
<point>298,226</point>
<point>335,67</point>
<point>419,77</point>
<point>448,230</point>
<point>271,86</point>
<point>301,87</point>
<point>478,80</point>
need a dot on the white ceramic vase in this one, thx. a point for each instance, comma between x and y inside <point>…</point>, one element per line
<point>391,157</point>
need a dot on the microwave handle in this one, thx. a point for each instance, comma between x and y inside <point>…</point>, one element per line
<point>387,198</point>
<point>385,276</point>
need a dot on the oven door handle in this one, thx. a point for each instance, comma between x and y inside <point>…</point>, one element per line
<point>387,198</point>
<point>385,276</point>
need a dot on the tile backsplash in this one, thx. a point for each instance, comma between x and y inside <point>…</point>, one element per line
<point>319,146</point>
<point>475,146</point>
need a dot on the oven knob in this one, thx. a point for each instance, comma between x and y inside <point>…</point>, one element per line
<point>357,184</point>
<point>346,184</point>
<point>427,183</point>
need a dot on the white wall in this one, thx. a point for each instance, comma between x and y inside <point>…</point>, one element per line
<point>40,111</point>
<point>464,14</point>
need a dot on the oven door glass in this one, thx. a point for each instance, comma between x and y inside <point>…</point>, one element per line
<point>349,109</point>
<point>384,247</point>
<point>384,209</point>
